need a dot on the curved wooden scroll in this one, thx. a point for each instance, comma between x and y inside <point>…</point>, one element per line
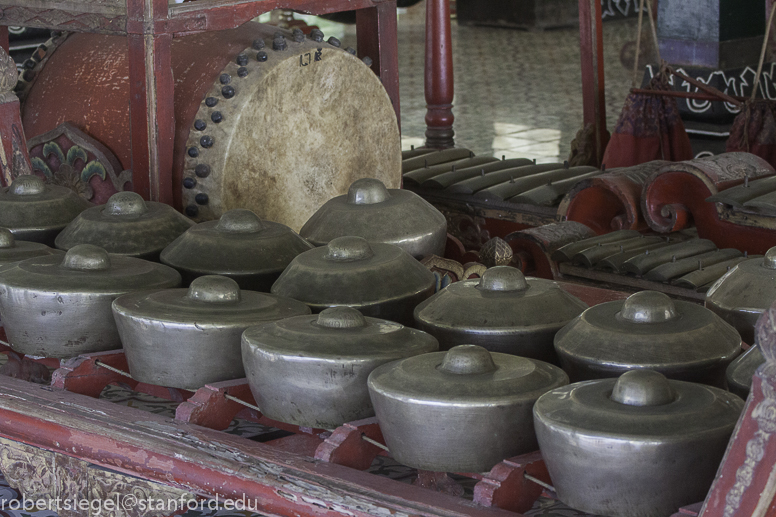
<point>611,201</point>
<point>675,195</point>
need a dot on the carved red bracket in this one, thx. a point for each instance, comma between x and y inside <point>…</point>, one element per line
<point>81,374</point>
<point>506,486</point>
<point>346,446</point>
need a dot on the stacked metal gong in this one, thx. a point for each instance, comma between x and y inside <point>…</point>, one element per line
<point>36,211</point>
<point>649,330</point>
<point>60,305</point>
<point>186,338</point>
<point>312,370</point>
<point>636,446</point>
<point>503,312</point>
<point>380,215</point>
<point>240,246</point>
<point>380,280</point>
<point>126,225</point>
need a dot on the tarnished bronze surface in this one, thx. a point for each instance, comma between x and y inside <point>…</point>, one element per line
<point>567,252</point>
<point>460,411</point>
<point>312,370</point>
<point>240,246</point>
<point>419,176</point>
<point>35,211</point>
<point>186,338</point>
<point>381,280</point>
<point>12,250</point>
<point>613,263</point>
<point>739,373</point>
<point>57,306</point>
<point>744,293</point>
<point>275,131</point>
<point>595,254</point>
<point>513,187</point>
<point>703,278</point>
<point>647,261</point>
<point>648,331</point>
<point>435,158</point>
<point>636,446</point>
<point>677,268</point>
<point>503,312</point>
<point>126,225</point>
<point>442,181</point>
<point>479,183</point>
<point>371,211</point>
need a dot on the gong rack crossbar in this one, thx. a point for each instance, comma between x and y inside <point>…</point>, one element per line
<point>150,26</point>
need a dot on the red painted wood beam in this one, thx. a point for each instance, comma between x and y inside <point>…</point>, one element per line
<point>439,85</point>
<point>591,51</point>
<point>376,31</point>
<point>151,90</point>
<point>207,462</point>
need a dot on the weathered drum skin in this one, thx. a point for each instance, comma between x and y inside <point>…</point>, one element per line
<point>35,211</point>
<point>380,280</point>
<point>57,306</point>
<point>279,132</point>
<point>240,246</point>
<point>312,370</point>
<point>744,293</point>
<point>186,338</point>
<point>503,312</point>
<point>636,446</point>
<point>460,411</point>
<point>371,211</point>
<point>126,225</point>
<point>649,330</point>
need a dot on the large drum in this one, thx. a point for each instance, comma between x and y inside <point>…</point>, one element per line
<point>278,127</point>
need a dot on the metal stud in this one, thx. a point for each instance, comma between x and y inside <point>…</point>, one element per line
<point>193,152</point>
<point>29,64</point>
<point>210,102</point>
<point>258,44</point>
<point>242,72</point>
<point>200,125</point>
<point>216,117</point>
<point>225,78</point>
<point>201,198</point>
<point>202,170</point>
<point>261,56</point>
<point>189,182</point>
<point>227,92</point>
<point>316,35</point>
<point>351,50</point>
<point>367,60</point>
<point>242,59</point>
<point>207,141</point>
<point>298,35</point>
<point>28,75</point>
<point>279,43</point>
<point>334,42</point>
<point>192,210</point>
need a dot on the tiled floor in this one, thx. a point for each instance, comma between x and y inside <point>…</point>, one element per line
<point>517,93</point>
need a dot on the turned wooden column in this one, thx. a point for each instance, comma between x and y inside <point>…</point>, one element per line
<point>151,90</point>
<point>591,46</point>
<point>439,76</point>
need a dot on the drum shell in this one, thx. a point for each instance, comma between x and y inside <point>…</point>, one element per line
<point>616,477</point>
